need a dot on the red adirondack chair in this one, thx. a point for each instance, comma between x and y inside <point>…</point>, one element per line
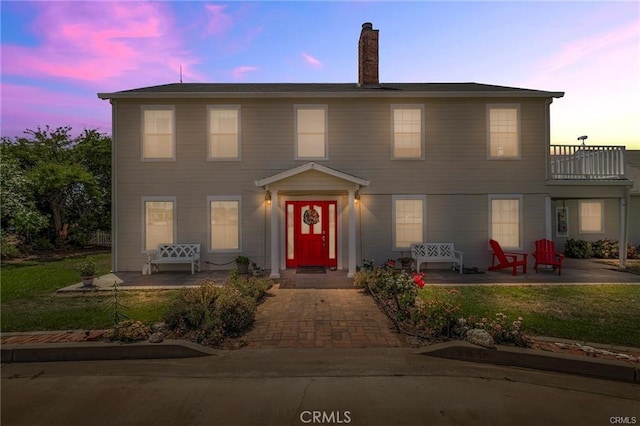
<point>507,260</point>
<point>546,254</point>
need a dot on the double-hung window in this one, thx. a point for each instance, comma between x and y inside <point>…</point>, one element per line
<point>159,222</point>
<point>503,131</point>
<point>505,220</point>
<point>407,132</point>
<point>591,216</point>
<point>224,132</point>
<point>224,223</point>
<point>409,220</point>
<point>158,133</point>
<point>311,140</point>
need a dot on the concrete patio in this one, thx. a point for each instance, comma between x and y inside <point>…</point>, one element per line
<point>574,271</point>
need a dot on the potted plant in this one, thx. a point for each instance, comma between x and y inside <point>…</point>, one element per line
<point>87,271</point>
<point>242,263</point>
<point>405,262</point>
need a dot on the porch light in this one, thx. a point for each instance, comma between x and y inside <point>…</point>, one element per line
<point>357,196</point>
<point>267,197</point>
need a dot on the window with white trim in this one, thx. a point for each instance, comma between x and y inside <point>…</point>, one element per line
<point>311,132</point>
<point>158,133</point>
<point>159,222</point>
<point>505,220</point>
<point>224,223</point>
<point>503,131</point>
<point>224,132</point>
<point>407,131</point>
<point>590,216</point>
<point>409,220</point>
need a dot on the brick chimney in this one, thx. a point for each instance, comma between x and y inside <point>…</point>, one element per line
<point>368,57</point>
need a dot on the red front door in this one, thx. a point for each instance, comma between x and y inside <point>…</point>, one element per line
<point>311,233</point>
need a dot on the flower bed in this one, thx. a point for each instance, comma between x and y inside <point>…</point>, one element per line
<point>431,314</point>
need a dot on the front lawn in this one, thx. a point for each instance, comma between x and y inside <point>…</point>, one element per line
<point>29,302</point>
<point>607,314</point>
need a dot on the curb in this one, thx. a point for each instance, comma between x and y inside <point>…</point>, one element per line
<point>536,359</point>
<point>100,351</point>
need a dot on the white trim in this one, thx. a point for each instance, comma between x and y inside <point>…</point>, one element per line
<point>237,198</point>
<point>393,107</point>
<point>518,197</point>
<point>394,198</point>
<point>144,108</point>
<point>236,108</point>
<point>311,166</point>
<point>298,107</point>
<point>515,106</point>
<point>145,199</point>
<point>601,202</point>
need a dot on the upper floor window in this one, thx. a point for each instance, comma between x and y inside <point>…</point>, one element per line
<point>591,216</point>
<point>505,220</point>
<point>503,131</point>
<point>158,133</point>
<point>311,132</point>
<point>224,132</point>
<point>407,131</point>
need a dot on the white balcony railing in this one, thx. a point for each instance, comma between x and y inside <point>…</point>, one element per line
<point>587,162</point>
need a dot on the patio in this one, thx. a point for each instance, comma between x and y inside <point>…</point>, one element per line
<point>574,271</point>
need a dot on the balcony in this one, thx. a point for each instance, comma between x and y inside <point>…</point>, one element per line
<point>577,162</point>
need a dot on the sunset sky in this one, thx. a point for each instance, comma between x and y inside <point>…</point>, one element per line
<point>55,55</point>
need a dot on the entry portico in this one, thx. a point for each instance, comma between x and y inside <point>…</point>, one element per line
<point>309,223</point>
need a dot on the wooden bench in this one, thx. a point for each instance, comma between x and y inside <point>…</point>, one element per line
<point>436,252</point>
<point>176,253</point>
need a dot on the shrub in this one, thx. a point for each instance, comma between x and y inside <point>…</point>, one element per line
<point>194,309</point>
<point>235,311</point>
<point>605,249</point>
<point>8,248</point>
<point>578,249</point>
<point>128,331</point>
<point>252,287</point>
<point>503,331</point>
<point>439,310</point>
<point>363,279</point>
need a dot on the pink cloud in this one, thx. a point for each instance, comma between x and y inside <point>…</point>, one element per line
<point>101,41</point>
<point>577,50</point>
<point>240,73</point>
<point>219,22</point>
<point>310,60</point>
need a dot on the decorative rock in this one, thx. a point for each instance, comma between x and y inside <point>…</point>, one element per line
<point>159,326</point>
<point>156,338</point>
<point>480,337</point>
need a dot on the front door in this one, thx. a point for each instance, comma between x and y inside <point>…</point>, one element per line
<point>311,233</point>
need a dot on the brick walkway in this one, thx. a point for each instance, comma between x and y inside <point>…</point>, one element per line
<point>327,318</point>
<point>51,337</point>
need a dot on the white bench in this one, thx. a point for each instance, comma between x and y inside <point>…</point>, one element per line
<point>176,253</point>
<point>436,252</point>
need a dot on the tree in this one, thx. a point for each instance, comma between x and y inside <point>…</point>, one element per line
<point>66,179</point>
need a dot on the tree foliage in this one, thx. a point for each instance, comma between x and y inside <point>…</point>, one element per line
<point>56,188</point>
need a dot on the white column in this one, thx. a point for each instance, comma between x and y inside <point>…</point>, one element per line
<point>352,234</point>
<point>624,240</point>
<point>548,218</point>
<point>275,234</point>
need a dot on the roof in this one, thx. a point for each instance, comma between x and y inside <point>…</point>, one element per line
<point>311,166</point>
<point>284,90</point>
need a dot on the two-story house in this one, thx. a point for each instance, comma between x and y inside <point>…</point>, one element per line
<point>330,174</point>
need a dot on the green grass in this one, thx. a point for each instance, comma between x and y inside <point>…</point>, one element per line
<point>29,302</point>
<point>601,314</point>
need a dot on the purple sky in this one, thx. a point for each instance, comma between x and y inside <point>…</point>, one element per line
<point>57,55</point>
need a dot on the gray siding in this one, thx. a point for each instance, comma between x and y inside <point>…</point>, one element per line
<point>455,175</point>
